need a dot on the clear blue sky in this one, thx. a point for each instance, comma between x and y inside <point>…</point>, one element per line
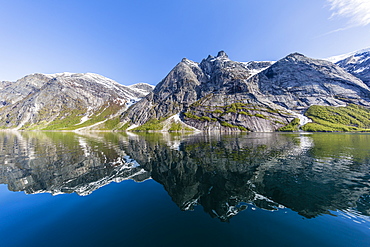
<point>142,40</point>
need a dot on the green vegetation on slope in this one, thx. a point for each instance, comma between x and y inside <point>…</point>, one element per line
<point>65,119</point>
<point>125,126</point>
<point>292,126</point>
<point>152,124</point>
<point>178,127</point>
<point>70,122</point>
<point>229,125</point>
<point>111,123</point>
<point>220,114</point>
<point>159,124</point>
<point>330,119</point>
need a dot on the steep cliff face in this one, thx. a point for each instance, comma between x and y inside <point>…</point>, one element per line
<point>235,112</point>
<point>64,100</point>
<point>220,94</point>
<point>178,89</point>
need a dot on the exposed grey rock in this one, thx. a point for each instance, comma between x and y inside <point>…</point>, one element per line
<point>221,112</point>
<point>297,82</point>
<point>222,54</point>
<point>13,92</point>
<point>178,89</point>
<point>357,63</point>
<point>4,84</point>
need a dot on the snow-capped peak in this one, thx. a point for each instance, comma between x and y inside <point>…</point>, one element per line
<point>335,59</point>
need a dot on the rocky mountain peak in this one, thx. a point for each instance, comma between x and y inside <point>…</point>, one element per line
<point>187,62</point>
<point>296,57</point>
<point>222,54</point>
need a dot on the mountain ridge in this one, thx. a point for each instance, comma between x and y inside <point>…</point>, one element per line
<point>215,94</point>
<point>357,63</point>
<point>221,94</point>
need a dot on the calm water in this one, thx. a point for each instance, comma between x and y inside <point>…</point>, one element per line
<point>107,189</point>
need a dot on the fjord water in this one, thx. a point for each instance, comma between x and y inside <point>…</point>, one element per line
<point>114,189</point>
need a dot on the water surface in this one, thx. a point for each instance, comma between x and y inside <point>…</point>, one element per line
<point>114,189</point>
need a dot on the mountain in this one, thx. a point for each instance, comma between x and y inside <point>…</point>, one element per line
<point>64,100</point>
<point>357,63</point>
<point>221,94</point>
<point>297,82</point>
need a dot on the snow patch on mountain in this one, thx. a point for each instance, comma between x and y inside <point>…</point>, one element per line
<point>142,88</point>
<point>335,59</point>
<point>302,118</point>
<point>175,119</point>
<point>256,67</point>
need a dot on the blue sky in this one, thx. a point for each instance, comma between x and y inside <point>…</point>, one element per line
<point>142,40</point>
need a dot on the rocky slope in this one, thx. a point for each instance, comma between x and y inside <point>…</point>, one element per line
<point>64,100</point>
<point>221,94</point>
<point>357,63</point>
<point>297,82</point>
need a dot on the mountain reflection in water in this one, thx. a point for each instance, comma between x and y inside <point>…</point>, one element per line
<point>312,174</point>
